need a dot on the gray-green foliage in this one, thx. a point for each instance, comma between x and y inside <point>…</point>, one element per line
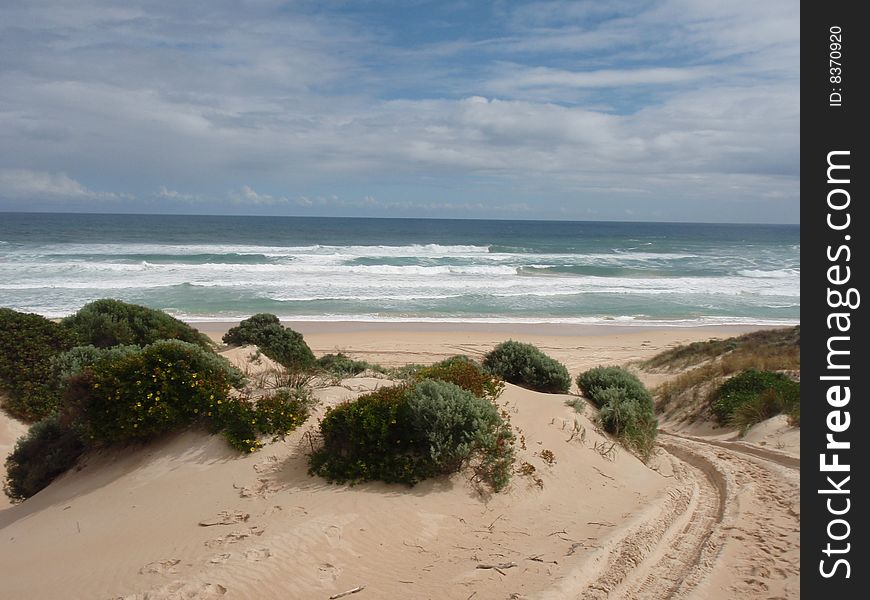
<point>409,433</point>
<point>453,421</point>
<point>75,360</point>
<point>593,381</point>
<point>525,365</point>
<point>282,344</point>
<point>47,450</point>
<point>107,322</point>
<point>626,408</point>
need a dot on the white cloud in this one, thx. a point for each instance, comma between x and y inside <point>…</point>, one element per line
<point>175,196</point>
<point>558,101</point>
<point>247,196</point>
<point>520,78</point>
<point>41,185</point>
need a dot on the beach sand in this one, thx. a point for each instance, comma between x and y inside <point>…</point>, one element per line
<point>186,517</point>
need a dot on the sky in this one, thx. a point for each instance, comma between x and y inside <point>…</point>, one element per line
<point>670,110</point>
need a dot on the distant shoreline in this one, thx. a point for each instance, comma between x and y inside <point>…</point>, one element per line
<point>579,347</point>
<point>543,328</point>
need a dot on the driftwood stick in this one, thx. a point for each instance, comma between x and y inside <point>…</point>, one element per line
<point>498,566</point>
<point>602,473</point>
<point>359,588</point>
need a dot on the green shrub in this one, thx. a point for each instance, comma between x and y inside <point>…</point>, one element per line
<point>283,411</point>
<point>747,387</point>
<point>525,365</point>
<point>630,418</point>
<point>165,386</point>
<point>47,450</point>
<point>455,424</point>
<point>626,407</point>
<point>248,330</point>
<point>404,434</point>
<point>107,322</point>
<point>243,421</point>
<point>282,344</point>
<point>343,366</point>
<point>368,439</point>
<point>27,344</point>
<point>466,373</point>
<point>117,395</point>
<point>77,359</point>
<point>593,381</point>
<point>407,372</point>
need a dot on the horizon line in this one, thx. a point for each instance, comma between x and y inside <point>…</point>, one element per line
<point>421,218</point>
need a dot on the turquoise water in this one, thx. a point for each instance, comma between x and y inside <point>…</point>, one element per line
<point>225,268</point>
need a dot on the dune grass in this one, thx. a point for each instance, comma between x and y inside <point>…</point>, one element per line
<point>771,350</point>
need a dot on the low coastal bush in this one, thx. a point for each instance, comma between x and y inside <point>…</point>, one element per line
<point>368,439</point>
<point>341,366</point>
<point>45,452</point>
<point>28,342</point>
<point>454,424</point>
<point>117,395</point>
<point>243,421</point>
<point>626,407</point>
<point>594,381</point>
<point>165,386</point>
<point>525,365</point>
<point>282,344</point>
<point>752,396</point>
<point>108,322</point>
<point>404,434</point>
<point>77,359</point>
<point>631,419</point>
<point>466,373</point>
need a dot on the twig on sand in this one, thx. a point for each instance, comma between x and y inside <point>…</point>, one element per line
<point>414,546</point>
<point>490,526</point>
<point>497,567</point>
<point>602,473</point>
<point>557,532</point>
<point>359,588</point>
<point>537,558</point>
<point>574,547</point>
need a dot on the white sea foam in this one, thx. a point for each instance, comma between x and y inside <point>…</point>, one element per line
<point>56,279</point>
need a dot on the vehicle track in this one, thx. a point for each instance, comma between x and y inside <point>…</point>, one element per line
<point>792,462</point>
<point>730,526</point>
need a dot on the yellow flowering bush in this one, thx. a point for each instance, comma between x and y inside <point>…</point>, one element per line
<point>166,385</point>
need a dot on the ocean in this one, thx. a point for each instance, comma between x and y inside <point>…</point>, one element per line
<point>307,268</point>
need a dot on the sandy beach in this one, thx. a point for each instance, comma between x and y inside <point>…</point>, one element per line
<point>579,347</point>
<point>707,517</point>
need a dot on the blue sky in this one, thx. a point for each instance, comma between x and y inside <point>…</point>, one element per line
<point>671,110</point>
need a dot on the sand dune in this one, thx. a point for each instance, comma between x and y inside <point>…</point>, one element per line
<point>187,517</point>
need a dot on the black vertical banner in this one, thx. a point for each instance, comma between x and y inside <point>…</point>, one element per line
<point>835,427</point>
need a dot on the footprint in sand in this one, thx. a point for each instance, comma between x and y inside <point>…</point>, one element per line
<point>226,517</point>
<point>270,465</point>
<point>234,537</point>
<point>257,554</point>
<point>161,567</point>
<point>328,572</point>
<point>220,558</point>
<point>332,532</point>
<point>180,589</point>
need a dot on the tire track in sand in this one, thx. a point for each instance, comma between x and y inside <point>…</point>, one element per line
<point>667,555</point>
